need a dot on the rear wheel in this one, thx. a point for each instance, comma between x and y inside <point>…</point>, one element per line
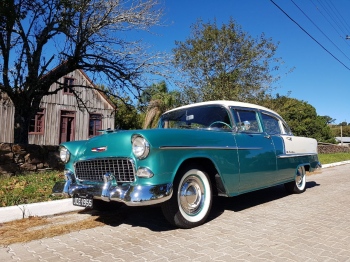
<point>299,184</point>
<point>191,201</point>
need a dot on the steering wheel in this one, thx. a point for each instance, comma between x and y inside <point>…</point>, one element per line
<point>220,122</point>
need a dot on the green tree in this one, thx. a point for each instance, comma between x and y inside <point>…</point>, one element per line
<point>345,132</point>
<point>343,123</point>
<point>225,63</point>
<point>302,118</point>
<point>37,36</point>
<point>126,116</point>
<point>329,119</point>
<point>156,99</point>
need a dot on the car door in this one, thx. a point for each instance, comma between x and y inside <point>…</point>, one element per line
<point>273,127</point>
<point>255,150</point>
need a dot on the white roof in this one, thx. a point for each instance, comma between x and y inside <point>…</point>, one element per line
<point>226,103</point>
<point>345,139</point>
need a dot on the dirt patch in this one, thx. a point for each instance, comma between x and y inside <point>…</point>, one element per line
<point>34,228</point>
<point>316,172</point>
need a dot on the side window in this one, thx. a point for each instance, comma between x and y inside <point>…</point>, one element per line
<point>95,124</point>
<point>67,86</point>
<point>286,128</point>
<point>36,125</point>
<point>247,121</point>
<point>271,124</point>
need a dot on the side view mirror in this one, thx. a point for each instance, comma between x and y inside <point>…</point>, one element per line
<point>245,126</point>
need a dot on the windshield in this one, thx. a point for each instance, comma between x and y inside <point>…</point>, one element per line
<point>215,117</point>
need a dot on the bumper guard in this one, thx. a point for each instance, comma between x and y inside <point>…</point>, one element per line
<point>130,195</point>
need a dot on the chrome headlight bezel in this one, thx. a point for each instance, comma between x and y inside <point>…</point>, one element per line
<point>64,154</point>
<point>140,147</point>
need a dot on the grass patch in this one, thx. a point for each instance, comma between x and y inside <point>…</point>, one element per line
<point>28,188</point>
<point>34,228</point>
<point>332,158</point>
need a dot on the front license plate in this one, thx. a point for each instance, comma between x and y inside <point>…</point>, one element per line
<point>82,201</point>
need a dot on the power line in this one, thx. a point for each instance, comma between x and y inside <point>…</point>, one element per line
<point>339,16</point>
<point>320,29</point>
<point>309,35</point>
<point>332,15</point>
<point>341,35</point>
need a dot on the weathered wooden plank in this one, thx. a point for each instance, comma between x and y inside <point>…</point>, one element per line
<point>54,105</point>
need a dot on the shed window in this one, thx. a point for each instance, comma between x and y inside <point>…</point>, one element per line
<point>36,125</point>
<point>68,85</point>
<point>95,124</point>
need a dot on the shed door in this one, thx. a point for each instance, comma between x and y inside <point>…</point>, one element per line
<point>67,126</point>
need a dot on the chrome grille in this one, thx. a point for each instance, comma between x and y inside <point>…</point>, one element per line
<point>93,170</point>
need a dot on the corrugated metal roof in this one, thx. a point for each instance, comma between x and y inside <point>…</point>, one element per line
<point>345,139</point>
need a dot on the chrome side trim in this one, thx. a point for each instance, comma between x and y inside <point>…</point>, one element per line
<point>295,155</point>
<point>209,148</point>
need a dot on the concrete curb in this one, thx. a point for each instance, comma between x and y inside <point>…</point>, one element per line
<point>37,209</point>
<point>62,206</point>
<point>336,164</point>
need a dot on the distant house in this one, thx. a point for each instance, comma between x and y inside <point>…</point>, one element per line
<point>60,118</point>
<point>344,140</point>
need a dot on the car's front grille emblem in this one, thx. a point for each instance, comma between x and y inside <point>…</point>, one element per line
<point>99,149</point>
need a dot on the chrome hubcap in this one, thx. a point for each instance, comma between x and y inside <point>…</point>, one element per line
<point>191,195</point>
<point>299,177</point>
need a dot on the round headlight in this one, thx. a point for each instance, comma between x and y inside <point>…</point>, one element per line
<point>140,147</point>
<point>64,154</point>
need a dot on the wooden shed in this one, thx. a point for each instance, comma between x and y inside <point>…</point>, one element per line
<point>60,118</point>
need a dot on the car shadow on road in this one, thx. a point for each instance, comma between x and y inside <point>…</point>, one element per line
<point>151,217</point>
<point>251,199</point>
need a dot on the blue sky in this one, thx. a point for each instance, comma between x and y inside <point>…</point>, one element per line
<point>318,78</point>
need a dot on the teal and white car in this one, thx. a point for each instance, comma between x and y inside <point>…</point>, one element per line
<point>217,148</point>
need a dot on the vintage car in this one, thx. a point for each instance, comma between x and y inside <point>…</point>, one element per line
<point>217,148</point>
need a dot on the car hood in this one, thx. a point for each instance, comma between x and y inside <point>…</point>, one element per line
<point>118,143</point>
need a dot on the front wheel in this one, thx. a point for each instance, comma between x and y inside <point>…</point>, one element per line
<point>299,184</point>
<point>191,201</point>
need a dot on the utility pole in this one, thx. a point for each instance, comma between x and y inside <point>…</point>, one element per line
<point>341,134</point>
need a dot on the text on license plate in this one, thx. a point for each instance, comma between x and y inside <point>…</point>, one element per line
<point>83,202</point>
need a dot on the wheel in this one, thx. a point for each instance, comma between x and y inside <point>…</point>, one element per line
<point>220,122</point>
<point>298,185</point>
<point>101,205</point>
<point>191,201</point>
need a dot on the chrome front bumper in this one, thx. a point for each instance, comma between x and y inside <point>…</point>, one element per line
<point>128,194</point>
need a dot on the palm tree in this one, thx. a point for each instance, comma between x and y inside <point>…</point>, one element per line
<point>157,100</point>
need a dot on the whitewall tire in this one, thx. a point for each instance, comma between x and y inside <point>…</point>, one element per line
<point>192,198</point>
<point>299,184</point>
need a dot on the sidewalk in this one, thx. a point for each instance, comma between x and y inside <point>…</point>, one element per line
<point>62,206</point>
<point>41,209</point>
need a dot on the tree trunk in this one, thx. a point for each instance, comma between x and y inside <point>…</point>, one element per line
<point>23,114</point>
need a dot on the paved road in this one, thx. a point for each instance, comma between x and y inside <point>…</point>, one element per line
<point>260,226</point>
